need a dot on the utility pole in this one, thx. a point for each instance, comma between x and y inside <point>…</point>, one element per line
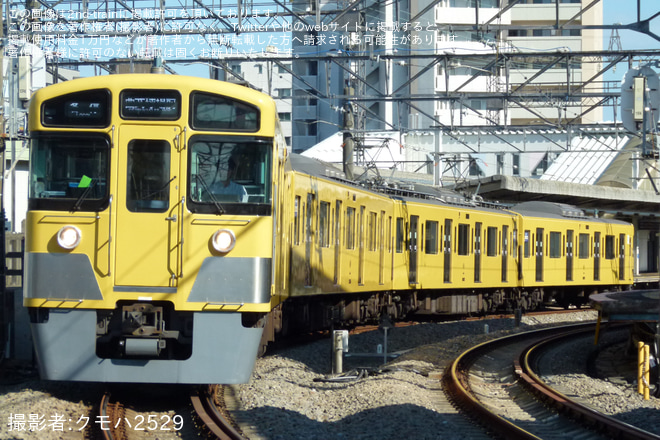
<point>349,124</point>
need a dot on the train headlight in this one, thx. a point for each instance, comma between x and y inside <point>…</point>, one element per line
<point>69,237</point>
<point>223,240</point>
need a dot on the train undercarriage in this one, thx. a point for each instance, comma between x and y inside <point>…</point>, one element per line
<point>316,313</point>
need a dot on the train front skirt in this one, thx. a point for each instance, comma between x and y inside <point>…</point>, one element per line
<point>223,352</point>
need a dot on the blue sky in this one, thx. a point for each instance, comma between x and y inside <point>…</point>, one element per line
<point>625,12</point>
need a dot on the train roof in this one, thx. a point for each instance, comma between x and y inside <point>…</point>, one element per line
<point>554,210</point>
<point>410,191</point>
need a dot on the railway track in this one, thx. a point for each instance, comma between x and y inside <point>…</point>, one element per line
<point>496,383</point>
<point>209,412</point>
<point>118,420</point>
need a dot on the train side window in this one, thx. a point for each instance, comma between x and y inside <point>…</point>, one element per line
<point>431,244</point>
<point>514,243</point>
<point>609,247</point>
<point>296,221</point>
<point>337,223</point>
<point>371,238</point>
<point>324,224</point>
<point>400,236</point>
<point>463,238</point>
<point>389,234</point>
<point>555,244</point>
<point>583,246</point>
<point>350,228</point>
<point>527,245</point>
<point>491,241</point>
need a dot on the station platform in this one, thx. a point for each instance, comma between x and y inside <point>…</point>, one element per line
<point>631,305</point>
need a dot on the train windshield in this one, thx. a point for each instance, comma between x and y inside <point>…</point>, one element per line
<point>230,174</point>
<point>69,172</point>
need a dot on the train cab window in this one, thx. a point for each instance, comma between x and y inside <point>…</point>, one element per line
<point>609,247</point>
<point>555,244</point>
<point>214,112</point>
<point>431,244</point>
<point>69,172</point>
<point>90,108</point>
<point>491,241</point>
<point>230,174</point>
<point>583,246</point>
<point>148,176</point>
<point>324,224</point>
<point>463,238</point>
<point>400,236</point>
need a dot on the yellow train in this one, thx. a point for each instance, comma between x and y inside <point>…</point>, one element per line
<point>168,227</point>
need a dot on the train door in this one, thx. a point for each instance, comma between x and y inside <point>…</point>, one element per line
<point>539,254</point>
<point>622,256</point>
<point>149,209</point>
<point>361,245</point>
<point>596,256</point>
<point>505,252</point>
<point>477,252</point>
<point>569,255</point>
<point>338,216</point>
<point>381,244</point>
<point>412,249</point>
<point>447,251</point>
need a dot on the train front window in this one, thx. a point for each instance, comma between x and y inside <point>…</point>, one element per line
<point>69,171</point>
<point>230,175</point>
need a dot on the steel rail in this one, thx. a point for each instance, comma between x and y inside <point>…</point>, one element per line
<point>524,369</point>
<point>204,404</point>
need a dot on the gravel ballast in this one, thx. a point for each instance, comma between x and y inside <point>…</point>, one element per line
<point>292,395</point>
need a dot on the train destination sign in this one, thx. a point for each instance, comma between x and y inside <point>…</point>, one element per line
<point>151,104</point>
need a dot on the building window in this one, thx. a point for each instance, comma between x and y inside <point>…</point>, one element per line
<point>282,69</point>
<point>286,116</point>
<point>259,68</point>
<point>516,164</point>
<point>310,128</point>
<point>312,68</point>
<point>282,93</point>
<point>474,169</point>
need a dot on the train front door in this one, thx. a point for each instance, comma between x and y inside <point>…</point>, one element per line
<point>148,208</point>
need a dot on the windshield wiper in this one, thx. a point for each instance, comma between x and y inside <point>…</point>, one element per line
<point>89,182</point>
<point>217,204</point>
